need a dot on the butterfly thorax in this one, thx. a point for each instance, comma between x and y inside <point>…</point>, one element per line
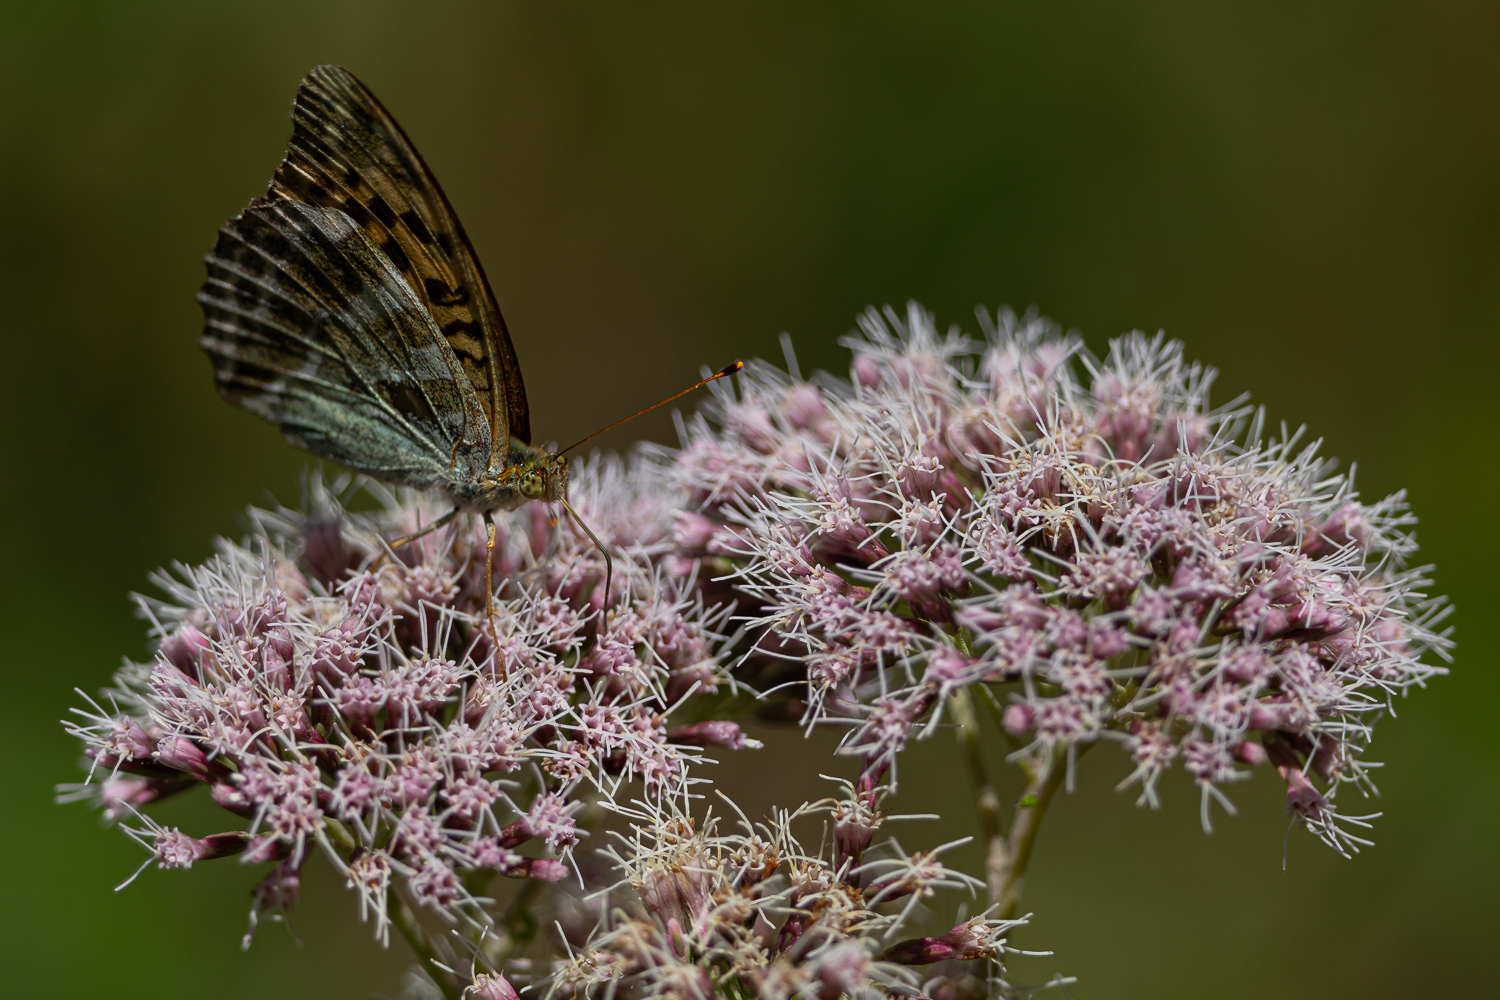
<point>532,474</point>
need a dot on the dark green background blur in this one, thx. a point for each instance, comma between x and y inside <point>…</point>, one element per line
<point>1307,194</point>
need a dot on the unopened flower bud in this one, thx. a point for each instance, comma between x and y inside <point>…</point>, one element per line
<point>1250,752</point>
<point>491,986</point>
<point>175,849</point>
<point>712,734</point>
<point>185,649</point>
<point>181,753</point>
<point>678,891</point>
<point>1017,719</point>
<point>541,869</point>
<point>692,532</point>
<point>970,940</point>
<point>1302,799</point>
<point>326,552</point>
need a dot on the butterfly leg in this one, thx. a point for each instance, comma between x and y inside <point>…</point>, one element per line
<point>489,590</point>
<point>609,564</point>
<point>435,525</point>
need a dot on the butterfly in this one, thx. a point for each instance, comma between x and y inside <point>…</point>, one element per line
<point>347,306</point>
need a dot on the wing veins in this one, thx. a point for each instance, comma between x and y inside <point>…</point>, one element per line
<point>367,336</point>
<point>343,131</point>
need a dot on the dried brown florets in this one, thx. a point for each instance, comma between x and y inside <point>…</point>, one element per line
<point>694,925</point>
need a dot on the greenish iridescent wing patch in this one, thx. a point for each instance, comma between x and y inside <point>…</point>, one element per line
<point>348,153</point>
<point>309,326</point>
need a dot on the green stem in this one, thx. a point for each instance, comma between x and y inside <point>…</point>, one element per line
<point>1043,781</point>
<point>986,800</point>
<point>411,929</point>
<point>520,925</point>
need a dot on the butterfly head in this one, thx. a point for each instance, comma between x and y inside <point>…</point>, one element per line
<point>544,478</point>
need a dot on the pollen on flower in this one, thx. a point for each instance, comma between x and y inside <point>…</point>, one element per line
<point>1088,538</point>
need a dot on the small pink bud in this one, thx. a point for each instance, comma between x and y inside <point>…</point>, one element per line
<point>853,833</point>
<point>1017,719</point>
<point>803,406</point>
<point>491,986</point>
<point>541,869</point>
<point>325,551</point>
<point>1250,752</point>
<point>266,848</point>
<point>175,849</point>
<point>226,796</point>
<point>681,892</point>
<point>489,853</point>
<point>692,531</point>
<point>128,744</point>
<point>1302,799</point>
<point>965,942</point>
<point>124,793</point>
<point>710,734</point>
<point>185,650</point>
<point>184,755</point>
<point>1346,526</point>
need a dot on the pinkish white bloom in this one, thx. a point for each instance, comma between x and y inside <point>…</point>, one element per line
<point>334,694</point>
<point>1086,542</point>
<point>1083,546</point>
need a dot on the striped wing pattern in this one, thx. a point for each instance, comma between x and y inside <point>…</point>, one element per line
<point>310,327</point>
<point>347,304</point>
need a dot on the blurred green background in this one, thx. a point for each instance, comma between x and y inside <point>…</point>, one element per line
<point>1307,194</point>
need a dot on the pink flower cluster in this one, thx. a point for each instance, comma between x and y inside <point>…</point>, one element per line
<point>1082,544</point>
<point>330,692</point>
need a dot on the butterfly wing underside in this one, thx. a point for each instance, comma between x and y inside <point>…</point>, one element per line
<point>347,304</point>
<point>348,153</point>
<point>311,327</point>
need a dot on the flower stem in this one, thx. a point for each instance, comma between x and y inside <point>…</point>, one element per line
<point>986,800</point>
<point>1044,778</point>
<point>411,929</point>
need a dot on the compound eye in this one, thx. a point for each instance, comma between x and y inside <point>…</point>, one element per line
<point>532,486</point>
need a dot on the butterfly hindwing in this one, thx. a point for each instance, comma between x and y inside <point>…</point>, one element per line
<point>347,153</point>
<point>310,327</point>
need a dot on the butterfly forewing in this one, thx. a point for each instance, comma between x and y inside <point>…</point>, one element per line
<point>348,153</point>
<point>310,326</point>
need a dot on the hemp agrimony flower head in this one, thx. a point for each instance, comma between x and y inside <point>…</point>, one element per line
<point>1081,544</point>
<point>331,693</point>
<point>755,914</point>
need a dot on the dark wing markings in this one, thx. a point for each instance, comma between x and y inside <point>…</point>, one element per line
<point>348,153</point>
<point>309,326</point>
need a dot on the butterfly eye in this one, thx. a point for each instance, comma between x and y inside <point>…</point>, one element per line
<point>532,486</point>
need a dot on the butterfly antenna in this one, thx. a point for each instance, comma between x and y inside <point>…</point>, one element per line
<point>609,564</point>
<point>719,374</point>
